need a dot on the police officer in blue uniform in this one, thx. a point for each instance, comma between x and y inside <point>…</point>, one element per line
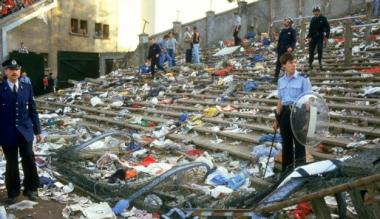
<point>19,124</point>
<point>319,31</point>
<point>286,43</point>
<point>290,87</point>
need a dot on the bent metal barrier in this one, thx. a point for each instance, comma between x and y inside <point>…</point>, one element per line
<point>364,181</point>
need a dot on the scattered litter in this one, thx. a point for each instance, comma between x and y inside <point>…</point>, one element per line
<point>24,204</point>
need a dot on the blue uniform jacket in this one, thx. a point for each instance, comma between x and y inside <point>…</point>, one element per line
<point>286,39</point>
<point>289,89</point>
<point>20,115</point>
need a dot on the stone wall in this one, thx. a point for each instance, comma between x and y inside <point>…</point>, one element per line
<point>214,27</point>
<point>51,33</point>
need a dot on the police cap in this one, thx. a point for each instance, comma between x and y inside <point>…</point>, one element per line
<point>316,8</point>
<point>12,64</point>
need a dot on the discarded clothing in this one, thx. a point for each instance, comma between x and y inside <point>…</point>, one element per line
<point>147,161</point>
<point>223,72</point>
<point>258,58</point>
<point>236,181</point>
<point>46,181</point>
<point>194,152</point>
<point>179,212</point>
<point>371,91</point>
<point>371,70</point>
<point>269,138</point>
<point>227,108</point>
<point>263,150</point>
<point>24,204</point>
<point>183,117</point>
<point>249,86</point>
<point>210,112</point>
<point>119,174</point>
<point>302,210</point>
<point>133,146</point>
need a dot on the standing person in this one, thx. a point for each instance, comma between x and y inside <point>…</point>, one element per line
<point>187,41</point>
<point>375,7</point>
<point>171,47</point>
<point>286,43</point>
<point>164,55</point>
<point>51,83</point>
<point>19,124</point>
<point>154,55</point>
<point>290,87</point>
<point>319,31</point>
<point>237,27</point>
<point>23,49</point>
<point>24,78</point>
<point>45,83</point>
<point>195,49</point>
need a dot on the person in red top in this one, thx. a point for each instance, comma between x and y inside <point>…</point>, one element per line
<point>4,10</point>
<point>45,82</point>
<point>27,3</point>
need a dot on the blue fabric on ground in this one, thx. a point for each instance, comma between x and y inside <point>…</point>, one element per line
<point>258,58</point>
<point>183,117</point>
<point>266,78</point>
<point>133,146</point>
<point>263,150</point>
<point>269,138</point>
<point>236,181</point>
<point>219,180</point>
<point>143,69</point>
<point>120,206</point>
<point>266,41</point>
<point>45,181</point>
<point>249,86</point>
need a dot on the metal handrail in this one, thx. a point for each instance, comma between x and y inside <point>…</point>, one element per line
<point>330,20</point>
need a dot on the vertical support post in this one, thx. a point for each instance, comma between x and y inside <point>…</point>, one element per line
<point>142,49</point>
<point>210,29</point>
<point>320,209</point>
<point>362,210</point>
<point>369,17</point>
<point>373,190</point>
<point>348,43</point>
<point>244,18</point>
<point>350,9</point>
<point>301,8</point>
<point>54,42</point>
<point>177,28</point>
<point>255,22</point>
<point>270,27</point>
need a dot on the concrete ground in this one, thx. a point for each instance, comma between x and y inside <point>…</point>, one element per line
<point>43,210</point>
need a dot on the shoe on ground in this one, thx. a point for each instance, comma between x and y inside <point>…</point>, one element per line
<point>11,200</point>
<point>32,196</point>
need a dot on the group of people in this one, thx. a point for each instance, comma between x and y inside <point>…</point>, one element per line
<point>319,32</point>
<point>8,7</point>
<point>20,122</point>
<point>48,83</point>
<point>191,40</point>
<point>293,83</point>
<point>165,50</point>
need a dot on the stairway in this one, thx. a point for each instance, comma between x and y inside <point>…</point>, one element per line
<point>20,17</point>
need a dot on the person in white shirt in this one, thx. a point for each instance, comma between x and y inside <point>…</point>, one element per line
<point>187,44</point>
<point>237,26</point>
<point>22,48</point>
